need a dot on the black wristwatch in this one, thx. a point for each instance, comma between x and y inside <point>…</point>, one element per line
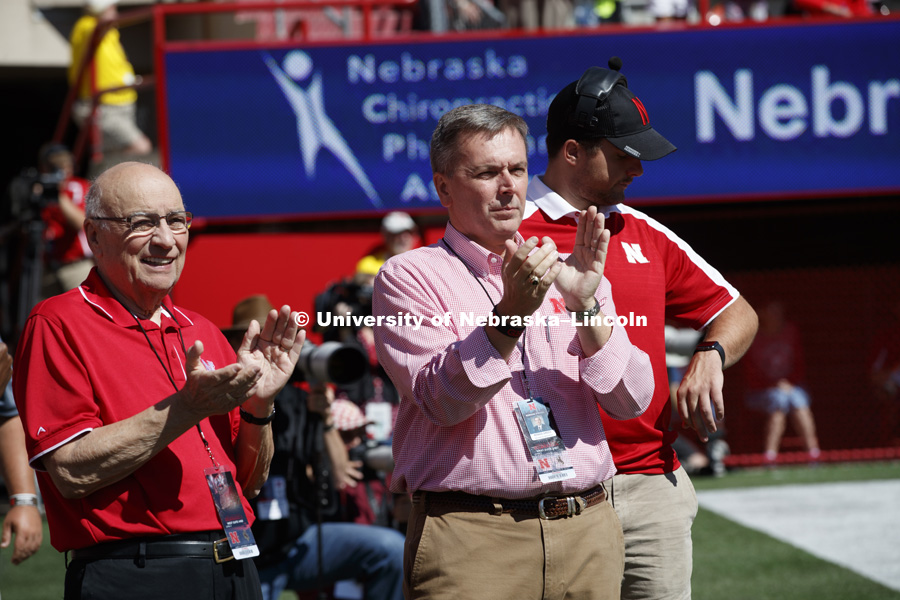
<point>256,420</point>
<point>707,346</point>
<point>507,330</point>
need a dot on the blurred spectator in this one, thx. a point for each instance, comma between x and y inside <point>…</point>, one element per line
<point>738,10</point>
<point>558,14</point>
<point>298,550</point>
<point>43,250</point>
<point>775,373</point>
<point>521,14</point>
<point>590,13</point>
<point>349,296</point>
<point>353,296</point>
<point>884,372</point>
<point>23,519</point>
<point>671,10</point>
<point>68,257</point>
<point>399,233</point>
<point>440,16</point>
<point>369,502</point>
<point>839,8</point>
<point>117,108</point>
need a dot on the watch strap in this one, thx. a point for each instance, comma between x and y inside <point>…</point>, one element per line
<point>256,420</point>
<point>23,500</point>
<point>584,316</point>
<point>711,345</point>
<point>507,330</point>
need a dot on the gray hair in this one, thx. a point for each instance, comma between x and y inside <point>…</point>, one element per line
<point>467,120</point>
<point>92,200</point>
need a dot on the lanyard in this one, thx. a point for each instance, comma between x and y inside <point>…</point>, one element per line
<point>491,300</point>
<point>547,449</point>
<point>171,377</point>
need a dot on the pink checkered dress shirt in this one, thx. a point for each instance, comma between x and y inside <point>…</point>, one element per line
<point>456,429</point>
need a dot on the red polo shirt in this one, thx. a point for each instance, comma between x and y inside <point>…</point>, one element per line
<point>654,274</point>
<point>83,363</point>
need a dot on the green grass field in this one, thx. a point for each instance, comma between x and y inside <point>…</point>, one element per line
<point>731,562</point>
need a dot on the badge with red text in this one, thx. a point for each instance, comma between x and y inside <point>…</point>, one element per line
<point>547,450</point>
<point>231,512</point>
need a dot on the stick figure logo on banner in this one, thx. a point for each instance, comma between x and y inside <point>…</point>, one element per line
<point>314,129</point>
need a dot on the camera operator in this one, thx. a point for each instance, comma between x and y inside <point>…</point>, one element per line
<point>353,296</point>
<point>48,203</point>
<point>43,250</point>
<point>301,547</point>
<point>68,257</point>
<point>369,502</point>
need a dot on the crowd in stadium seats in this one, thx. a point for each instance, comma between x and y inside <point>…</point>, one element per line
<point>442,16</point>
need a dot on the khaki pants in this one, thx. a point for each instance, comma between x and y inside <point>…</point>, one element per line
<point>656,512</point>
<point>118,123</point>
<point>453,554</point>
<point>66,277</point>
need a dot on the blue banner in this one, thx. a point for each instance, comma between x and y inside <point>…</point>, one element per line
<point>755,112</point>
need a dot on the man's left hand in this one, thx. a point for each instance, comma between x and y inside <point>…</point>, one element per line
<point>275,350</point>
<point>25,523</point>
<point>583,270</point>
<point>700,401</point>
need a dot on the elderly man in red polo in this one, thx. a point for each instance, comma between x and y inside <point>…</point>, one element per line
<point>142,422</point>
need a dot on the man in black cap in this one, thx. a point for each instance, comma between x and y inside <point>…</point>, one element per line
<point>598,134</point>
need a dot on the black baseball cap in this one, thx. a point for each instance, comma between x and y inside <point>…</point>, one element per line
<point>581,111</point>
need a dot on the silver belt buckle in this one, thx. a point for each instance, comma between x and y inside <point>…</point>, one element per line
<point>574,506</point>
<point>541,512</point>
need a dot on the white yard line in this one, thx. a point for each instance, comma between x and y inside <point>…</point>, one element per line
<point>855,525</point>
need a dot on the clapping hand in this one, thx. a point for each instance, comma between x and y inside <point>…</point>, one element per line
<point>583,270</point>
<point>274,351</point>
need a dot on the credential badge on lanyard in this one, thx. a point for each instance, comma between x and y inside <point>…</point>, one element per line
<point>231,512</point>
<point>548,453</point>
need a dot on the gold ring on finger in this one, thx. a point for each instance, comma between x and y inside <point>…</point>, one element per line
<point>535,280</point>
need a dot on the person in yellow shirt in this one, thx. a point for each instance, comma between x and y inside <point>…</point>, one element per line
<point>400,234</point>
<point>116,111</point>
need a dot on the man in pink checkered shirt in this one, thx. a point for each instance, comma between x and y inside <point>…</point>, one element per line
<point>484,334</point>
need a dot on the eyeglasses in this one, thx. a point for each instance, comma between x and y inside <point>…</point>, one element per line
<point>179,221</point>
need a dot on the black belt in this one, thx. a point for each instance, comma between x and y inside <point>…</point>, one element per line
<point>545,507</point>
<point>170,546</point>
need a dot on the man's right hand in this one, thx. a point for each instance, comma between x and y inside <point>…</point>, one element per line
<point>521,294</point>
<point>216,392</point>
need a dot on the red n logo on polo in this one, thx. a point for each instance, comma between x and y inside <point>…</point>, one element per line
<point>559,305</point>
<point>645,119</point>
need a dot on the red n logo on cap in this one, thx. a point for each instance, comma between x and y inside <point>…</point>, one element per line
<point>645,119</point>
